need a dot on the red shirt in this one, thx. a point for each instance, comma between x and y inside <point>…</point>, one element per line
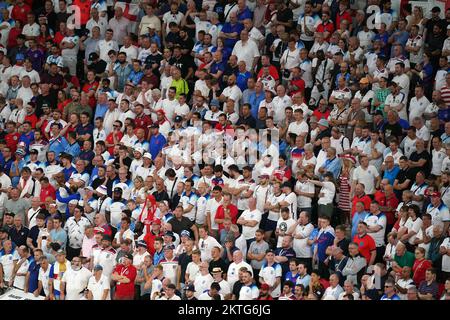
<point>321,28</point>
<point>392,202</point>
<point>280,173</point>
<point>364,199</point>
<point>11,140</point>
<point>47,192</point>
<point>110,140</point>
<point>20,13</point>
<point>125,290</point>
<point>85,7</point>
<point>366,245</point>
<point>70,129</point>
<point>220,214</point>
<point>88,87</point>
<point>272,71</point>
<point>12,37</point>
<point>149,239</point>
<point>143,121</point>
<point>344,16</point>
<point>33,120</point>
<point>299,83</point>
<point>419,269</point>
<point>319,115</point>
<point>58,37</point>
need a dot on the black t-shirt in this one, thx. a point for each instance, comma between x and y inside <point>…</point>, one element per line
<point>390,130</point>
<point>180,225</point>
<point>249,121</point>
<point>405,174</point>
<point>152,59</point>
<point>98,67</point>
<point>183,261</point>
<point>285,16</point>
<point>33,234</point>
<point>49,100</point>
<point>183,63</point>
<point>188,43</point>
<point>19,237</point>
<point>161,196</point>
<point>218,264</point>
<point>415,156</point>
<point>343,244</point>
<point>237,289</point>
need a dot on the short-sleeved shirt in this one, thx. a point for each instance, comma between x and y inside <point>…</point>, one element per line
<point>366,245</point>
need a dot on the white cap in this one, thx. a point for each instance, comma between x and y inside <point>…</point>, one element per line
<point>147,155</point>
<point>102,190</point>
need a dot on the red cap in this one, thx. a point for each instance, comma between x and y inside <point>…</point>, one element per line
<point>161,111</point>
<point>98,230</point>
<point>435,194</point>
<point>156,221</point>
<point>265,286</point>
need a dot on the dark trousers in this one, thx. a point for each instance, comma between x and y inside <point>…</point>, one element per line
<point>323,270</point>
<point>72,252</point>
<point>380,254</point>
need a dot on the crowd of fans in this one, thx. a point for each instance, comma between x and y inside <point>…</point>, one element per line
<point>281,149</point>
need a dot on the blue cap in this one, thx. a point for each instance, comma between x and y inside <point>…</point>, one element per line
<point>215,102</point>
<point>185,233</point>
<point>20,56</point>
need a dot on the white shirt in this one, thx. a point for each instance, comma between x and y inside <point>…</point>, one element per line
<point>202,283</point>
<point>98,287</point>
<point>76,281</point>
<point>301,247</point>
<point>328,191</point>
<point>446,257</point>
<point>256,215</point>
<point>233,272</point>
<point>367,177</point>
<point>270,275</point>
<point>44,277</point>
<point>206,245</point>
<point>377,220</point>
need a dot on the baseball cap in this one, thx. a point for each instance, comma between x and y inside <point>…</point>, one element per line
<point>265,286</point>
<point>128,256</point>
<point>435,194</point>
<point>185,233</point>
<point>156,221</point>
<point>170,234</point>
<point>323,122</point>
<point>118,189</point>
<point>190,287</point>
<point>60,251</point>
<point>169,247</point>
<point>154,126</point>
<point>264,176</point>
<point>151,26</point>
<point>178,119</point>
<point>214,102</point>
<point>102,190</point>
<point>73,201</point>
<point>141,243</point>
<point>93,56</point>
<point>161,111</point>
<point>34,151</point>
<point>20,152</point>
<point>20,56</point>
<point>4,229</point>
<point>140,150</point>
<point>89,188</point>
<point>98,267</point>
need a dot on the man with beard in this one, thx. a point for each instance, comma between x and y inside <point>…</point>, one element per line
<point>74,282</point>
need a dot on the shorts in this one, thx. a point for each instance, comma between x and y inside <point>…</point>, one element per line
<point>270,225</point>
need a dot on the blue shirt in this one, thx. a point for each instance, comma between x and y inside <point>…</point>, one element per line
<point>33,269</point>
<point>135,77</point>
<point>394,297</point>
<point>27,138</point>
<point>325,240</point>
<point>73,149</point>
<point>68,172</point>
<point>100,110</point>
<point>356,219</point>
<point>241,80</point>
<point>254,101</point>
<point>391,175</point>
<point>333,166</point>
<point>156,144</point>
<point>59,236</point>
<point>157,257</point>
<point>229,28</point>
<point>245,14</point>
<point>57,145</point>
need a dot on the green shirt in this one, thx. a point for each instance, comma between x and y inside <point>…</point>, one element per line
<point>406,260</point>
<point>181,85</point>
